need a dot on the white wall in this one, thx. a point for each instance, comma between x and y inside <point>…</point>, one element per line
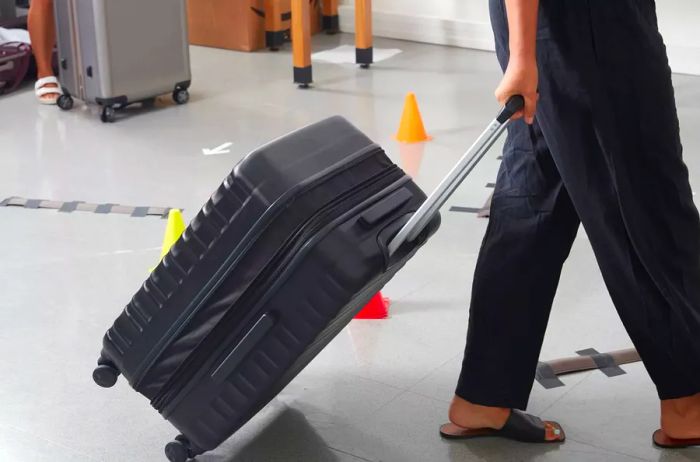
<point>679,21</point>
<point>465,23</point>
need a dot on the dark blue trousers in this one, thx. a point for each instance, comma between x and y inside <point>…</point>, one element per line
<point>605,151</point>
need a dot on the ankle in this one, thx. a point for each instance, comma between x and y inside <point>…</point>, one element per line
<point>469,415</point>
<point>44,73</point>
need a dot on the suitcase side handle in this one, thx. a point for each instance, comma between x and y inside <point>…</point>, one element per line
<point>459,172</point>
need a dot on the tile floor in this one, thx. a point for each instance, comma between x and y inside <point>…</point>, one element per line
<point>380,390</point>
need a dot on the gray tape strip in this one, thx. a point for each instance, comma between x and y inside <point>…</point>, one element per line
<point>485,211</point>
<point>104,208</point>
<point>68,207</point>
<point>81,206</point>
<point>605,362</point>
<point>155,211</point>
<point>122,209</point>
<point>490,185</point>
<point>546,377</point>
<point>464,209</point>
<point>14,202</point>
<point>140,212</point>
<point>18,202</point>
<point>499,158</point>
<point>51,205</point>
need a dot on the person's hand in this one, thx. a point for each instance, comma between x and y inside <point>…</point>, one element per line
<point>521,78</point>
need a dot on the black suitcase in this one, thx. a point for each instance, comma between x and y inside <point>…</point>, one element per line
<point>289,248</point>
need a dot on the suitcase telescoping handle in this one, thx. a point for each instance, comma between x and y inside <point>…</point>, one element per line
<point>466,164</point>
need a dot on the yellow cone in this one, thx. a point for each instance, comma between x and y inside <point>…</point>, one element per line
<point>411,129</point>
<point>173,231</point>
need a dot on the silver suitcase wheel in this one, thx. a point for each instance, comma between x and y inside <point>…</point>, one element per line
<point>181,96</point>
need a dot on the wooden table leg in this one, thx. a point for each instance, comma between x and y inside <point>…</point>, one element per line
<point>331,21</point>
<point>364,55</point>
<point>301,42</point>
<point>276,24</point>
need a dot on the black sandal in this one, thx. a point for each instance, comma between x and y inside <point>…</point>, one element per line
<point>519,427</point>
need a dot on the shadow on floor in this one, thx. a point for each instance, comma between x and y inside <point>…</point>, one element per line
<point>680,455</point>
<point>156,104</point>
<point>289,437</point>
<point>488,449</point>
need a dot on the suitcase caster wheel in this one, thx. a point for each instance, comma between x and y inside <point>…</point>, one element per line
<point>65,102</point>
<point>364,66</point>
<point>176,451</point>
<point>304,86</point>
<point>105,375</point>
<point>181,96</point>
<point>181,450</point>
<point>108,114</point>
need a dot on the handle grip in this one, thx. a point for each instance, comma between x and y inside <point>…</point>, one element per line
<point>516,103</point>
<point>459,172</point>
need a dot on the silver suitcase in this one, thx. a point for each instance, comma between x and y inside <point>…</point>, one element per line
<point>118,52</point>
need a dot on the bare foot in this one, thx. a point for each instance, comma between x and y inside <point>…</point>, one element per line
<point>473,416</point>
<point>680,418</point>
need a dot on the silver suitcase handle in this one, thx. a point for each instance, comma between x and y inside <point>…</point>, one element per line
<point>459,172</point>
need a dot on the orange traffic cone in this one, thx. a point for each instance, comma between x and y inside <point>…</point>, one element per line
<point>376,308</point>
<point>411,129</point>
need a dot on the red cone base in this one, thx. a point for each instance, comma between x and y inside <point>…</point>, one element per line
<point>377,308</point>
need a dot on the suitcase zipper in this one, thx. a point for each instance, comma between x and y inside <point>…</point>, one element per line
<point>191,368</point>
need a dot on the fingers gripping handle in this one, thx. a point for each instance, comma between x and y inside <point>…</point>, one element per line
<point>514,105</point>
<point>459,172</point>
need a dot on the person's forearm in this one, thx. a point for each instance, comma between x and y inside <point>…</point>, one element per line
<point>522,24</point>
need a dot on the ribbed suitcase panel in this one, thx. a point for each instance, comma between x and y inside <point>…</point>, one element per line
<point>133,326</point>
<point>157,312</point>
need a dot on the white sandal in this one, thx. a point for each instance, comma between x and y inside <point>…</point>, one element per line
<point>41,90</point>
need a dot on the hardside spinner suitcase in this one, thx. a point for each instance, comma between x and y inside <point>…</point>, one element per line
<point>118,52</point>
<point>289,248</point>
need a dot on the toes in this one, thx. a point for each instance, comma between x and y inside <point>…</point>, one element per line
<point>553,432</point>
